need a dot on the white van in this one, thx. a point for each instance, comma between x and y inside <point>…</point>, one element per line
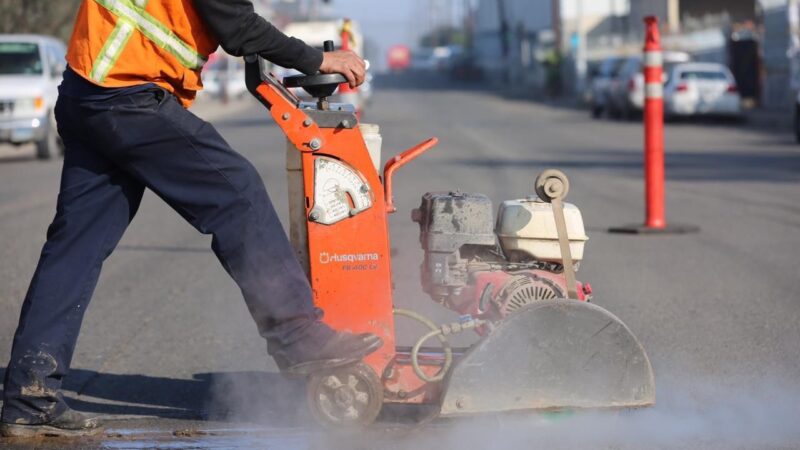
<point>31,68</point>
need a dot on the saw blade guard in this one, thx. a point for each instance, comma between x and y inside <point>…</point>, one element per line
<point>552,355</point>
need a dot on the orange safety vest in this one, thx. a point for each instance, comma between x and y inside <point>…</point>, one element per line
<point>122,43</point>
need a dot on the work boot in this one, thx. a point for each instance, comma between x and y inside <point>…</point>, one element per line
<point>69,424</point>
<point>309,356</point>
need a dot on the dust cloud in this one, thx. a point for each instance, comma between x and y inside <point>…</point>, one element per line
<point>697,415</point>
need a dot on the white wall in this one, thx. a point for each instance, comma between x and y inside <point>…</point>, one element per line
<point>570,9</point>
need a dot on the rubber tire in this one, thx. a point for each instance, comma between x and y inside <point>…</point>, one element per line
<point>797,124</point>
<point>366,377</point>
<point>50,145</point>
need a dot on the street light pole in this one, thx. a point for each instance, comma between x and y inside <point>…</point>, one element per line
<point>580,50</point>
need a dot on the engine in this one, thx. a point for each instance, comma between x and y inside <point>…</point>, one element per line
<point>487,268</point>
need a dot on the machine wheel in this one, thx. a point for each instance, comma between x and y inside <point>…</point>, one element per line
<point>346,397</point>
<point>552,184</point>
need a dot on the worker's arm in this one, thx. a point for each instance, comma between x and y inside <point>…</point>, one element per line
<point>241,32</point>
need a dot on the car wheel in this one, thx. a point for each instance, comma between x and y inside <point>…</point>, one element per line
<point>627,114</point>
<point>797,124</point>
<point>50,145</point>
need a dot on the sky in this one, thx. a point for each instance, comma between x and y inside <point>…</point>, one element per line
<point>384,23</point>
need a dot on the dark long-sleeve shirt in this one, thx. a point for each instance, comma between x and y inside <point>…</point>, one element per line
<point>240,31</point>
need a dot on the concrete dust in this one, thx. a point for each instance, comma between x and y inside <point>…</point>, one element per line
<point>699,415</point>
<point>696,415</point>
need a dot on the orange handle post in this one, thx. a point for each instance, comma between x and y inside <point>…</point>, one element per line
<point>399,161</point>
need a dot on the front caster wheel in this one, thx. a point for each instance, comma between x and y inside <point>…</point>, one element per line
<point>346,397</point>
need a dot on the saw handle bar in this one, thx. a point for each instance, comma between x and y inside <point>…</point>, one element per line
<point>399,161</point>
<point>268,90</point>
<point>255,76</point>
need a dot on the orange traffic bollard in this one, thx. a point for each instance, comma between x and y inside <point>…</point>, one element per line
<point>655,211</point>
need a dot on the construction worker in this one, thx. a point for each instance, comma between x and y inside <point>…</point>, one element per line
<point>134,68</point>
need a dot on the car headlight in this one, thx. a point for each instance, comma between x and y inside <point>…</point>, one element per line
<point>29,105</point>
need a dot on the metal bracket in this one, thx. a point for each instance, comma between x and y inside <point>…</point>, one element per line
<point>299,128</point>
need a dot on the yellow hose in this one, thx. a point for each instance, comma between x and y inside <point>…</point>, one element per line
<point>435,331</point>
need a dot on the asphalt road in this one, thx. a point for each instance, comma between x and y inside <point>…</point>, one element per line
<point>169,350</point>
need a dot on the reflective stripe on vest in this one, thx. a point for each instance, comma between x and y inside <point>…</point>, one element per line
<point>132,16</point>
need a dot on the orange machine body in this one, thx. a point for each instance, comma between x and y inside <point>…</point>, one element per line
<point>350,261</point>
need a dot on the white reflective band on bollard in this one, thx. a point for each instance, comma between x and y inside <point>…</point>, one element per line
<point>653,59</point>
<point>654,90</point>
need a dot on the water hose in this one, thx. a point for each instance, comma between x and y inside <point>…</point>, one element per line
<point>440,332</point>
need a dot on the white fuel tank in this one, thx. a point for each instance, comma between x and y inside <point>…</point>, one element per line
<point>528,227</point>
<point>374,141</point>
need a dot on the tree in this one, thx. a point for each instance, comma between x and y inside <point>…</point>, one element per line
<point>51,17</point>
<point>444,35</point>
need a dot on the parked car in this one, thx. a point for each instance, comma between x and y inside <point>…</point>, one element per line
<point>601,83</point>
<point>626,98</point>
<point>423,60</point>
<point>701,89</point>
<point>434,59</point>
<point>31,68</point>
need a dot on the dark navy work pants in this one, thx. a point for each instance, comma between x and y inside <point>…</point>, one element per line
<point>114,150</point>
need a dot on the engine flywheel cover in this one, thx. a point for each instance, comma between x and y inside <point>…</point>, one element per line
<point>523,290</point>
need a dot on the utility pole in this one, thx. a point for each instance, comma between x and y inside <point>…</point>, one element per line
<point>793,13</point>
<point>501,10</point>
<point>504,40</point>
<point>580,50</point>
<point>557,24</point>
<point>674,16</point>
<point>314,10</point>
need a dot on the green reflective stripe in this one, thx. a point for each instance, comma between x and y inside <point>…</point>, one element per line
<point>111,51</point>
<point>155,31</point>
<point>113,47</point>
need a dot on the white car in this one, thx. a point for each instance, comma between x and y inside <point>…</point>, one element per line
<point>31,68</point>
<point>627,91</point>
<point>701,89</point>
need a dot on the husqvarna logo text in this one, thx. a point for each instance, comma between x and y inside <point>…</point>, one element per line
<point>327,258</point>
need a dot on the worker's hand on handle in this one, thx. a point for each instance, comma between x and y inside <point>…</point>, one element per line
<point>346,63</point>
